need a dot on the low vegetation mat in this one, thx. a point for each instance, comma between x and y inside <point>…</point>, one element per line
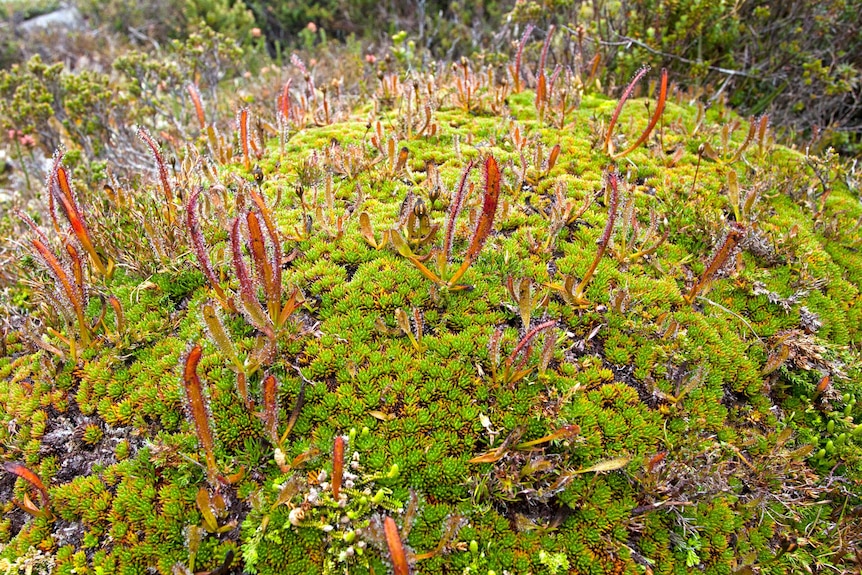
<point>481,322</point>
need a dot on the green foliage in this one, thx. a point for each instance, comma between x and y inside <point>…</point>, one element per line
<point>501,424</point>
<point>702,40</point>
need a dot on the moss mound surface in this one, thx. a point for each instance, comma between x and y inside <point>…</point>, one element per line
<point>455,309</point>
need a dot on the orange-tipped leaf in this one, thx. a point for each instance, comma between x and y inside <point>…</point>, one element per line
<point>197,408</point>
<point>337,466</point>
<point>24,473</point>
<point>396,548</point>
<point>662,98</point>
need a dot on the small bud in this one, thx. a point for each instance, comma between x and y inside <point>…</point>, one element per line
<point>378,497</point>
<point>393,471</point>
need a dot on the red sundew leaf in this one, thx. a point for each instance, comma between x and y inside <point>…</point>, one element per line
<point>486,220</point>
<point>517,73</point>
<point>396,547</point>
<point>284,100</point>
<point>337,466</point>
<point>245,285</point>
<point>402,159</point>
<point>655,460</point>
<point>734,236</point>
<point>196,101</point>
<point>554,75</point>
<point>118,313</point>
<point>242,120</point>
<point>662,98</point>
<point>455,209</point>
<point>489,208</point>
<point>606,235</point>
<point>145,136</point>
<point>541,90</point>
<point>564,432</point>
<point>77,268</point>
<point>266,214</point>
<point>545,47</point>
<point>261,264</point>
<point>59,273</point>
<point>527,339</point>
<point>254,312</point>
<point>199,245</point>
<point>605,465</point>
<point>270,407</point>
<point>24,473</point>
<point>293,302</point>
<point>60,190</point>
<point>552,158</point>
<point>197,408</point>
<point>628,91</point>
<point>73,292</point>
<point>761,131</point>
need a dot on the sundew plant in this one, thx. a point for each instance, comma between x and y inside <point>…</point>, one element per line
<point>482,318</point>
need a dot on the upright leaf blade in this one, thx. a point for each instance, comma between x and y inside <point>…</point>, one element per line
<point>659,109</point>
<point>196,406</point>
<point>397,553</point>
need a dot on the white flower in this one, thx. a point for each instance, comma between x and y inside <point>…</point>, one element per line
<point>296,515</point>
